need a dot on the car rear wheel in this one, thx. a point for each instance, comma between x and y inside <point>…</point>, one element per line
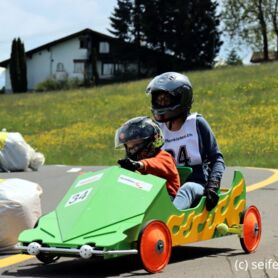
<point>155,246</point>
<point>252,229</point>
<point>47,258</point>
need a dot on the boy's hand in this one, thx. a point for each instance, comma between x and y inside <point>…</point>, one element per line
<point>129,164</point>
<point>212,195</point>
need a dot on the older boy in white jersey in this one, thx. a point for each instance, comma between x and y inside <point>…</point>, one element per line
<point>188,137</point>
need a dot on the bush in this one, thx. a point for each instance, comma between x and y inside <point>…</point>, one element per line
<point>2,91</point>
<point>57,85</point>
<point>233,59</point>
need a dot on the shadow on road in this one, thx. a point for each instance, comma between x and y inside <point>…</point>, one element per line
<point>126,266</point>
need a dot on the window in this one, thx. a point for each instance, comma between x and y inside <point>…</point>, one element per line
<point>119,68</point>
<point>60,67</point>
<point>104,47</point>
<point>79,67</point>
<point>84,42</point>
<point>107,69</point>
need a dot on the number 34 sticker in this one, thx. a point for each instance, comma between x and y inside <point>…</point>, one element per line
<point>78,197</point>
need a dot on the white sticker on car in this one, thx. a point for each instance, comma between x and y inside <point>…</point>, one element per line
<point>78,197</point>
<point>89,180</point>
<point>135,183</point>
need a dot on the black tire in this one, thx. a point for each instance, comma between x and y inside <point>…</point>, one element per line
<point>47,258</point>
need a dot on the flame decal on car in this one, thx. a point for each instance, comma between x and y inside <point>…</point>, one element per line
<point>199,224</point>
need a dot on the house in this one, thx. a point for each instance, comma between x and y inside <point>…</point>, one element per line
<point>2,78</point>
<point>91,56</point>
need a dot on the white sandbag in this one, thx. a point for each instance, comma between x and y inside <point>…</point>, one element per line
<point>20,208</point>
<point>16,154</point>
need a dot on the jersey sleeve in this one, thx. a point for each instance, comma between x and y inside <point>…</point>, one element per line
<point>210,149</point>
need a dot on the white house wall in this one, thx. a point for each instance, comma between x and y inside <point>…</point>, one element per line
<point>66,53</point>
<point>38,68</point>
<point>8,87</point>
<point>42,65</point>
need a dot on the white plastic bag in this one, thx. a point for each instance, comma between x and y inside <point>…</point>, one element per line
<point>16,154</point>
<point>20,208</point>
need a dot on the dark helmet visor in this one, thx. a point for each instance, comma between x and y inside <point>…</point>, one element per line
<point>165,100</point>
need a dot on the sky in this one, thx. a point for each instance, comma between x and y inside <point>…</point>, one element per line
<point>40,21</point>
<point>37,22</point>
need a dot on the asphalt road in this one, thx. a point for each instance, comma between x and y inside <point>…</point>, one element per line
<point>221,257</point>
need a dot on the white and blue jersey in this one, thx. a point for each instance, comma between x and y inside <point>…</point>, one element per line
<point>195,145</point>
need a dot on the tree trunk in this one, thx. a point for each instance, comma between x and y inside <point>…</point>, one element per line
<point>137,33</point>
<point>275,25</point>
<point>95,77</point>
<point>264,30</point>
<point>277,46</point>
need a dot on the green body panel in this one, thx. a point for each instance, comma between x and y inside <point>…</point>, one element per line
<point>98,209</point>
<point>109,208</point>
<point>112,199</point>
<point>184,172</point>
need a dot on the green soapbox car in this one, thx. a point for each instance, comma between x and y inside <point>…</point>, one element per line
<point>115,212</point>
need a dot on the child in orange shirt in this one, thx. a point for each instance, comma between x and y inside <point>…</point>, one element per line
<point>142,139</point>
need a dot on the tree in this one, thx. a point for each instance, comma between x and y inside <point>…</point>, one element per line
<point>121,20</point>
<point>14,67</point>
<point>156,23</point>
<point>18,70</point>
<point>126,20</point>
<point>249,20</point>
<point>23,66</point>
<point>196,38</point>
<point>94,65</point>
<point>136,28</point>
<point>233,59</point>
<point>187,29</point>
<point>273,13</point>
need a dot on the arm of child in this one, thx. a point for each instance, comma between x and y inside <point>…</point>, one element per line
<point>130,164</point>
<point>161,165</point>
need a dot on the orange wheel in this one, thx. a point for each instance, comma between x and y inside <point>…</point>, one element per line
<point>155,246</point>
<point>252,229</point>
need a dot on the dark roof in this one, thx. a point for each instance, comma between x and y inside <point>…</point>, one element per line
<point>48,45</point>
<point>156,56</point>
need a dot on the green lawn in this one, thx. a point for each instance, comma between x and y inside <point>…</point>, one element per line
<point>77,127</point>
